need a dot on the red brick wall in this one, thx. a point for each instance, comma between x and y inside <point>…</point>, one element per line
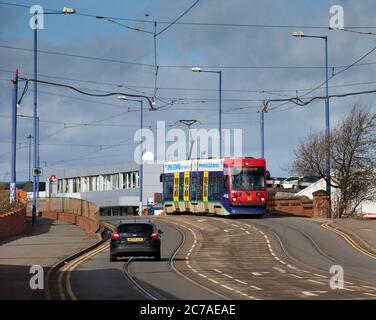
<point>301,206</point>
<point>12,223</point>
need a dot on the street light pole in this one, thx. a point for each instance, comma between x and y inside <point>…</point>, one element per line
<point>198,69</point>
<point>35,111</point>
<point>141,163</point>
<point>300,34</point>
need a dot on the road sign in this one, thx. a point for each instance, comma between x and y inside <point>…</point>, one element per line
<point>37,172</point>
<point>53,178</point>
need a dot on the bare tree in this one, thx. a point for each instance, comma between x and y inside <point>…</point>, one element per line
<point>352,149</point>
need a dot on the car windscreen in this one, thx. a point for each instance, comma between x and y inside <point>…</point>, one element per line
<point>135,228</point>
<point>247,178</point>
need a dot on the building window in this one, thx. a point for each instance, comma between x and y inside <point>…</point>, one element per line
<point>76,185</point>
<point>115,181</point>
<point>137,179</point>
<point>106,182</point>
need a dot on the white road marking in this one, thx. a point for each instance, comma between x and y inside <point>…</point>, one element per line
<point>247,232</point>
<point>254,287</point>
<point>368,287</point>
<point>292,267</point>
<point>279,269</point>
<point>224,286</point>
<point>202,275</point>
<point>309,293</point>
<point>294,275</point>
<point>315,281</point>
<point>216,270</point>
<point>256,274</point>
<point>226,275</point>
<point>237,280</point>
<point>321,276</point>
<point>216,282</point>
<point>369,294</point>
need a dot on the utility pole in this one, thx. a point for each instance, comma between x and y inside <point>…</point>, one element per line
<point>264,108</point>
<point>12,187</point>
<point>190,123</point>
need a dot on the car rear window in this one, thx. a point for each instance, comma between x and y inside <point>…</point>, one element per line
<point>135,228</point>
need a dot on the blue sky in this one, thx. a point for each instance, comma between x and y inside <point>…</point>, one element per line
<point>111,140</point>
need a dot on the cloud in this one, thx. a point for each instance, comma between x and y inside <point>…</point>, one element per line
<point>181,45</point>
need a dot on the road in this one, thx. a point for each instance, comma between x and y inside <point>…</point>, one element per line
<point>218,258</point>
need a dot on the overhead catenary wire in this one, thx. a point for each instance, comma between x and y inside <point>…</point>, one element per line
<point>178,18</point>
<point>191,23</point>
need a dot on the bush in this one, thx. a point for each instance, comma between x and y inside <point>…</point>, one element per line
<point>5,205</point>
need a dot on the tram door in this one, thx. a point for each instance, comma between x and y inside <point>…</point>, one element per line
<point>186,186</point>
<point>205,186</point>
<point>186,191</point>
<point>176,186</point>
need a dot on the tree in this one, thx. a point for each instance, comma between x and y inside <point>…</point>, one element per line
<point>352,150</point>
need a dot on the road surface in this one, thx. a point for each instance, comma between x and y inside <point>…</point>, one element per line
<point>218,258</point>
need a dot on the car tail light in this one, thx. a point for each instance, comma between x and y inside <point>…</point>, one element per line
<point>115,236</point>
<point>234,199</point>
<point>262,199</point>
<point>155,235</point>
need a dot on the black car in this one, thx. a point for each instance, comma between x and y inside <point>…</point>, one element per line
<point>135,238</point>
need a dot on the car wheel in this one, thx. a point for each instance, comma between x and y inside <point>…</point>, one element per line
<point>113,258</point>
<point>157,256</point>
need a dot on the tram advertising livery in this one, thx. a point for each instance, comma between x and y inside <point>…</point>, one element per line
<point>217,186</point>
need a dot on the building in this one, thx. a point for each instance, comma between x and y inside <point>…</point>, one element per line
<point>366,208</point>
<point>115,188</point>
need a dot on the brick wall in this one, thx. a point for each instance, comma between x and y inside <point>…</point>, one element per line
<point>300,206</point>
<point>13,223</point>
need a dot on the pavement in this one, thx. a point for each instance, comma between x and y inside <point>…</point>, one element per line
<point>363,232</point>
<point>44,244</point>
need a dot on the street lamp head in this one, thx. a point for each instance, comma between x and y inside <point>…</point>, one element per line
<point>298,34</point>
<point>122,97</point>
<point>196,69</point>
<point>69,10</point>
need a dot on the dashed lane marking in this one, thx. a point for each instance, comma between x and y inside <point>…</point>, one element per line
<point>294,275</point>
<point>237,280</point>
<point>315,281</point>
<point>279,269</point>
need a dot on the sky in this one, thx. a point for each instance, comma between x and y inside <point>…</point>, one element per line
<point>259,61</point>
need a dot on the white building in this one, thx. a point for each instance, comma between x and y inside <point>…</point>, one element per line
<point>115,188</point>
<point>366,207</point>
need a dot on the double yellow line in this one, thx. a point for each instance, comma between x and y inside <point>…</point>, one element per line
<point>349,240</point>
<point>69,267</point>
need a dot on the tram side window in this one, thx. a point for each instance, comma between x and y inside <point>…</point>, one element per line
<point>193,187</point>
<point>168,185</point>
<point>181,186</point>
<point>214,184</point>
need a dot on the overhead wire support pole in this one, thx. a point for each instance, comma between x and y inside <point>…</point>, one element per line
<point>12,191</point>
<point>35,115</point>
<point>155,60</point>
<point>262,130</point>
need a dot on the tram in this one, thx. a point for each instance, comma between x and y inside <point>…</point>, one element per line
<point>229,186</point>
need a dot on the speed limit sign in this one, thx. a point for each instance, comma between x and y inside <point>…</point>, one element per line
<point>53,178</point>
